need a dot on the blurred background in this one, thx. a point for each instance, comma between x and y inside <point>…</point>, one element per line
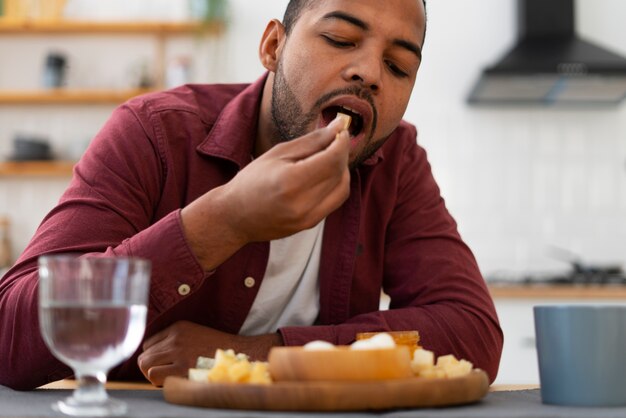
<point>539,191</point>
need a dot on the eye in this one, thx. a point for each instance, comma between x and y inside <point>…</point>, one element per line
<point>397,71</point>
<point>337,43</point>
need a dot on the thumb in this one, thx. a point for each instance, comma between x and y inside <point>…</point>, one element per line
<point>313,142</point>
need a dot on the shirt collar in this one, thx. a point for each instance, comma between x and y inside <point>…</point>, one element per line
<point>233,135</point>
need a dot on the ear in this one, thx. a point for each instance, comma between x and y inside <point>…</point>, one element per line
<point>272,44</point>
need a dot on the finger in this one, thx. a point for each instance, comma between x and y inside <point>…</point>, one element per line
<point>161,346</point>
<point>339,149</point>
<point>327,197</point>
<point>319,201</point>
<point>326,167</point>
<point>154,339</point>
<point>148,360</point>
<point>156,375</point>
<point>310,143</point>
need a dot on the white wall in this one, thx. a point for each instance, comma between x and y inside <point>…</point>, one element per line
<point>521,180</point>
<point>517,179</point>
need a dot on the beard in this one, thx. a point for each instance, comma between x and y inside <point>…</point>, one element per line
<point>291,121</point>
<point>289,118</point>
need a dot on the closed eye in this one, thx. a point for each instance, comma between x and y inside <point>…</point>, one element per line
<point>396,70</point>
<point>336,43</point>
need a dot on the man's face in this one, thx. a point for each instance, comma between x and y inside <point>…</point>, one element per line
<point>358,57</point>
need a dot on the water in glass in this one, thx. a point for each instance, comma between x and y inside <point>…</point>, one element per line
<point>92,317</point>
<point>93,337</point>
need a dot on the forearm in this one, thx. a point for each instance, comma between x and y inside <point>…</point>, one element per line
<point>207,229</point>
<point>443,328</point>
<point>258,347</point>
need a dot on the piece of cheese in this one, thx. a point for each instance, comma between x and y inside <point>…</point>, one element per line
<point>433,373</point>
<point>448,366</point>
<point>378,341</point>
<point>347,119</point>
<point>447,361</point>
<point>199,375</point>
<point>319,345</point>
<point>459,369</point>
<point>205,362</point>
<point>230,367</point>
<point>259,374</point>
<point>422,360</point>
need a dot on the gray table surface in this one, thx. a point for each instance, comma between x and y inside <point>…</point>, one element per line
<point>150,404</point>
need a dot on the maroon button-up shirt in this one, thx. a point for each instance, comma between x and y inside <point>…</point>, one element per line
<point>159,152</point>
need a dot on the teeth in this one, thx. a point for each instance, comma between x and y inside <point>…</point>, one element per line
<point>349,109</point>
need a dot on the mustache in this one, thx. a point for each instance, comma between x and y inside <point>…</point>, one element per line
<point>357,91</point>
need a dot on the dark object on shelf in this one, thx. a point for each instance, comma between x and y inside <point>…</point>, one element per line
<point>30,149</point>
<point>54,70</point>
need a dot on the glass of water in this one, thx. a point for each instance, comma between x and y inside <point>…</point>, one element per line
<point>92,315</point>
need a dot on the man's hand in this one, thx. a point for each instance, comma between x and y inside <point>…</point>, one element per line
<point>289,188</point>
<point>175,350</point>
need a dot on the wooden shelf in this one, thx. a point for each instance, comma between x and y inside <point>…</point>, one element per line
<point>18,27</point>
<point>161,31</point>
<point>68,96</point>
<point>581,292</point>
<point>36,168</point>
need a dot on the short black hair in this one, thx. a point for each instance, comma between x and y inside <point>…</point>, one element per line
<point>293,12</point>
<point>295,9</point>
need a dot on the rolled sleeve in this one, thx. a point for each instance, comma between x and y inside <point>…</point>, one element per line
<point>173,262</point>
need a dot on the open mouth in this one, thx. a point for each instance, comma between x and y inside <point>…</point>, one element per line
<point>357,124</point>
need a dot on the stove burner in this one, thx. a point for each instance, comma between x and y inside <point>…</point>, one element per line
<point>586,276</point>
<point>577,278</point>
<point>580,272</point>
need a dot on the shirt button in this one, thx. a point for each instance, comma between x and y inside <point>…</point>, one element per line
<point>184,289</point>
<point>249,282</point>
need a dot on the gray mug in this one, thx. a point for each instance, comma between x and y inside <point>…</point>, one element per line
<point>582,354</point>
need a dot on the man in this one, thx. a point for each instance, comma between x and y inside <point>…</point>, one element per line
<point>266,224</point>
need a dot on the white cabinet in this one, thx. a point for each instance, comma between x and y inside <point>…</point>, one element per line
<point>519,356</point>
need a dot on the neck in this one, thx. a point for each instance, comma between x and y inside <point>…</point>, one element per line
<point>266,129</point>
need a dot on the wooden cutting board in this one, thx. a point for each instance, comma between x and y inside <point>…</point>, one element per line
<point>329,396</point>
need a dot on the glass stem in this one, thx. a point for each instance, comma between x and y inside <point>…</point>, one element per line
<point>90,388</point>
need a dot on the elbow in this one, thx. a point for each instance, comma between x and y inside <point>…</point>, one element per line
<point>491,368</point>
<point>29,373</point>
<point>17,382</point>
<point>18,367</point>
<point>482,344</point>
<point>491,354</point>
<point>28,381</point>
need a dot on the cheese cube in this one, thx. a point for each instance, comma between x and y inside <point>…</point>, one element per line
<point>422,360</point>
<point>199,375</point>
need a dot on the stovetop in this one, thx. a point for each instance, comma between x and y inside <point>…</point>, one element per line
<point>579,272</point>
<point>578,275</point>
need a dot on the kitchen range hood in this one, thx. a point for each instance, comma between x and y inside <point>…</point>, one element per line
<point>550,64</point>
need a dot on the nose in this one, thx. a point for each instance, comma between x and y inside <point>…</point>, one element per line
<point>365,69</point>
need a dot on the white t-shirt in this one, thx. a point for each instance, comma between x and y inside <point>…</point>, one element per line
<point>289,293</point>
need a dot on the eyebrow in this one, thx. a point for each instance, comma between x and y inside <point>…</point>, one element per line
<point>353,20</point>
